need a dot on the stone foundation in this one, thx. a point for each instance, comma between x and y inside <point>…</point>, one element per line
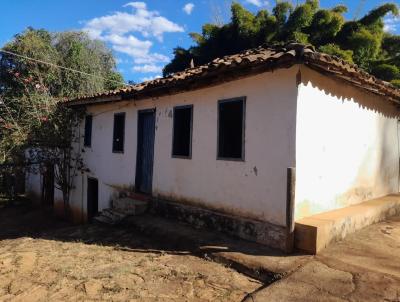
<point>257,231</point>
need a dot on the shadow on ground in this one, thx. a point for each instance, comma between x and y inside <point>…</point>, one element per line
<point>21,219</point>
<point>43,258</point>
<point>152,234</point>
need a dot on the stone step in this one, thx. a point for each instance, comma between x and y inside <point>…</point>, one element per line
<point>110,216</point>
<point>130,206</point>
<point>103,219</point>
<point>139,196</point>
<point>121,208</point>
<point>113,213</point>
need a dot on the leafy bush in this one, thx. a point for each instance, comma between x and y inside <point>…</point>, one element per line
<point>333,49</point>
<point>395,83</point>
<point>386,72</point>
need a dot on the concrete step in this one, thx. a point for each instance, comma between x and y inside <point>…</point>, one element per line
<point>130,206</point>
<point>122,208</point>
<point>113,213</point>
<point>138,196</point>
<point>110,216</point>
<point>104,219</point>
<point>314,233</point>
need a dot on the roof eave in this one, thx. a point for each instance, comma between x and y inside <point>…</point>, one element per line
<point>94,100</point>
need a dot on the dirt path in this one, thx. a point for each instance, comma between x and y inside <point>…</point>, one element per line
<point>45,260</point>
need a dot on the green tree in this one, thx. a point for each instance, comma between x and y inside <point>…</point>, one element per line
<point>74,50</point>
<point>362,41</point>
<point>31,115</point>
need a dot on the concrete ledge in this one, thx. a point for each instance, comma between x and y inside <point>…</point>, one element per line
<point>314,233</point>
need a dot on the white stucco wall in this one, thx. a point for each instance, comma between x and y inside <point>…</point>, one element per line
<point>346,145</point>
<point>33,185</point>
<point>33,181</point>
<point>255,188</point>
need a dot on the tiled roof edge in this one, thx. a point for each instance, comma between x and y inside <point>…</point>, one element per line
<point>246,63</point>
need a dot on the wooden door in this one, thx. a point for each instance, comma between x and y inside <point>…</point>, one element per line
<point>145,151</point>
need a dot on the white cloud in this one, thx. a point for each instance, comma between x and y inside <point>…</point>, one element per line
<point>137,5</point>
<point>139,50</point>
<point>134,34</point>
<point>145,79</point>
<point>129,45</point>
<point>141,20</point>
<point>392,23</point>
<point>152,58</point>
<point>147,68</point>
<point>258,3</point>
<point>188,8</point>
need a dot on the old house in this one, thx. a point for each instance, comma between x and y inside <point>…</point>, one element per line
<point>248,144</point>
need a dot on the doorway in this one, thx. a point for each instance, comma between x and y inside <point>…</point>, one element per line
<point>92,198</point>
<point>145,151</point>
<point>48,185</point>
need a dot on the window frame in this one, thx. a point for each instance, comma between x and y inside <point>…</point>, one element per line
<point>85,144</point>
<point>191,131</point>
<point>123,132</point>
<point>231,100</point>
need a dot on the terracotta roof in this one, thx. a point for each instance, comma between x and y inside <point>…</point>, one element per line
<point>246,63</point>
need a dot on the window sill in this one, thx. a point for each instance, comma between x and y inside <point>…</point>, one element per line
<point>231,159</point>
<point>181,157</point>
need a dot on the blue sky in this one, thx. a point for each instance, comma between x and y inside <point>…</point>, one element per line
<point>141,34</point>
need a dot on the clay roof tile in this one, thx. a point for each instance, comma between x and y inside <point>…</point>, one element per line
<point>260,59</point>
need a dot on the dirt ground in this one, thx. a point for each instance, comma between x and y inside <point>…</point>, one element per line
<point>44,259</point>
